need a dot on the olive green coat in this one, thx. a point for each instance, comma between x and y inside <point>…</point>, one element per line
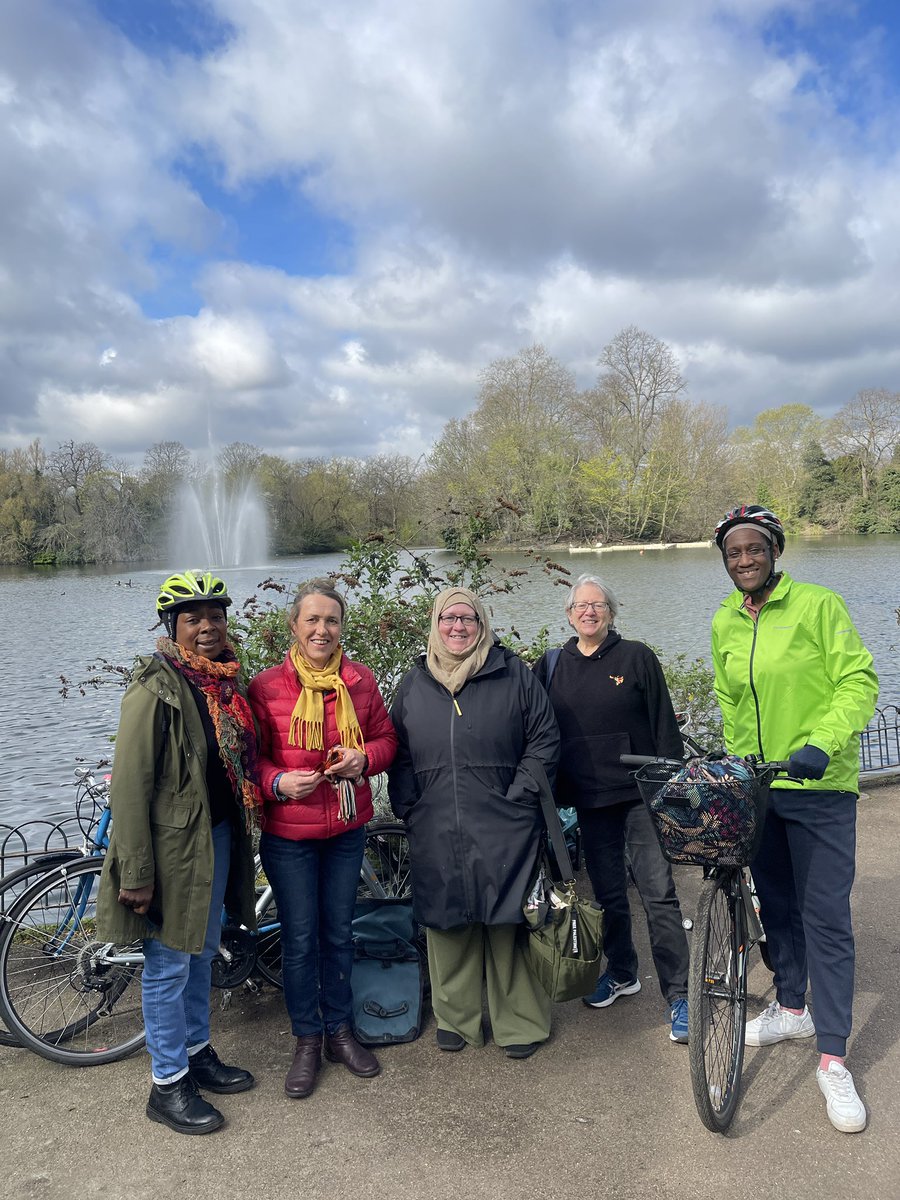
<point>161,831</point>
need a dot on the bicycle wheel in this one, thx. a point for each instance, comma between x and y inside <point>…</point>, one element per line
<point>13,885</point>
<point>385,870</point>
<point>65,994</point>
<point>717,1001</point>
<point>268,943</point>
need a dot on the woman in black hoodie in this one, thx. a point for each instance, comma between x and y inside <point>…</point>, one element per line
<point>610,698</point>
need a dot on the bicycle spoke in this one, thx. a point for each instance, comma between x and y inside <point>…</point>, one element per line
<point>386,866</point>
<point>65,993</point>
<point>717,1004</point>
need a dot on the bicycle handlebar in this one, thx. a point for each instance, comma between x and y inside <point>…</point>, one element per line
<point>641,760</point>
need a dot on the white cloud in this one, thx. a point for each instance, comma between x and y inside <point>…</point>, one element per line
<point>510,172</point>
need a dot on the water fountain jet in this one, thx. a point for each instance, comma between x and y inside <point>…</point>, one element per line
<point>215,524</point>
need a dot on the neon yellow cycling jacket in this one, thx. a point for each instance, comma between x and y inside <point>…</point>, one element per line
<point>799,673</point>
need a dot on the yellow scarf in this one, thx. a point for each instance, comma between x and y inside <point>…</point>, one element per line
<point>308,718</point>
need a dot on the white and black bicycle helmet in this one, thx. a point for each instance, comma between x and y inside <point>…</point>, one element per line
<point>753,515</point>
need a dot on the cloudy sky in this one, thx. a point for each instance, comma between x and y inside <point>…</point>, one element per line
<point>318,220</point>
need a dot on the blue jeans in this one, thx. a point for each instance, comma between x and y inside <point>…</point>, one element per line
<point>804,871</point>
<point>315,882</point>
<point>175,984</point>
<point>605,834</point>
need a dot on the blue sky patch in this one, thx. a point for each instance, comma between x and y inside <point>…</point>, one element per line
<point>162,27</point>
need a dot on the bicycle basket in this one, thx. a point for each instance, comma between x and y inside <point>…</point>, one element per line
<point>708,813</point>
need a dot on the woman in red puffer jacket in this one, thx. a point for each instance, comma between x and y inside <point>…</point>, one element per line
<point>324,731</point>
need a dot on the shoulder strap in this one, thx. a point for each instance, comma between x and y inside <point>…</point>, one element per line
<point>552,660</point>
<point>551,819</point>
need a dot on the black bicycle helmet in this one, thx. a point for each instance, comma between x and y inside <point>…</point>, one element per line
<point>186,588</point>
<point>750,514</point>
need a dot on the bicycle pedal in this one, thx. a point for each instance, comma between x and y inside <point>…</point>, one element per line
<point>225,1002</point>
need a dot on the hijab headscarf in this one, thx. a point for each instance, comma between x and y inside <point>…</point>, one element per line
<point>451,669</point>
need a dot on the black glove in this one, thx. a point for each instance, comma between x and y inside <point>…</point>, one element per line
<point>808,763</point>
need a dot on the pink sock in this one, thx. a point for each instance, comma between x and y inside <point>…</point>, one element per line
<point>827,1059</point>
<point>798,1012</point>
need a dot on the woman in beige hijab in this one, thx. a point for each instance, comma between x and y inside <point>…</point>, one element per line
<point>477,738</point>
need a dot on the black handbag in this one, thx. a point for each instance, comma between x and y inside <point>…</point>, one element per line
<point>565,933</point>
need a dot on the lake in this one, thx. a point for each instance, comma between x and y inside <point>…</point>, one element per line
<point>58,621</point>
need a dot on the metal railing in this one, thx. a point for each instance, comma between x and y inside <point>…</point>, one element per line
<point>879,742</point>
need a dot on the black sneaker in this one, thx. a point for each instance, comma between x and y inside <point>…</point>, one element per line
<point>180,1106</point>
<point>525,1050</point>
<point>448,1040</point>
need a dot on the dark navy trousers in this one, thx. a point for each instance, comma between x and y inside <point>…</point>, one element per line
<point>804,872</point>
<point>607,834</point>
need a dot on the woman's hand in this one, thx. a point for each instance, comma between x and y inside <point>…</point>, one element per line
<point>137,899</point>
<point>297,785</point>
<point>350,765</point>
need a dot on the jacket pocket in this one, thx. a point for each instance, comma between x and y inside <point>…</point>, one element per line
<point>591,764</point>
<point>170,813</point>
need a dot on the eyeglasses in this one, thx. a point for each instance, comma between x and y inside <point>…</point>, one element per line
<point>451,620</point>
<point>753,551</point>
<point>594,605</point>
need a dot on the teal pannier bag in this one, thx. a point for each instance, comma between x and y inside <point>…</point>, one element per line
<point>388,976</point>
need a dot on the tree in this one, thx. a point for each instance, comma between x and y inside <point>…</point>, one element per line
<point>167,460</point>
<point>769,457</point>
<point>868,428</point>
<point>515,455</point>
<point>641,378</point>
<point>387,485</point>
<point>238,463</point>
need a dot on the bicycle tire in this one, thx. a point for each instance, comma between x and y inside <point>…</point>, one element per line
<point>717,1001</point>
<point>14,884</point>
<point>60,996</point>
<point>386,866</point>
<point>268,944</point>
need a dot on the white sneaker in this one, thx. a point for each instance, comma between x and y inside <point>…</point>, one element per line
<point>776,1024</point>
<point>845,1110</point>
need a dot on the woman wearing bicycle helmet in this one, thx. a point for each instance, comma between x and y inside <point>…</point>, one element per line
<point>183,799</point>
<point>794,681</point>
<point>324,732</point>
<point>610,698</point>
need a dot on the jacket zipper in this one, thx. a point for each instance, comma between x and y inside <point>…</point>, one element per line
<point>753,685</point>
<point>459,836</point>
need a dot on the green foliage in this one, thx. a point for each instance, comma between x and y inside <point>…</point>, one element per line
<point>260,635</point>
<point>691,686</point>
<point>390,591</point>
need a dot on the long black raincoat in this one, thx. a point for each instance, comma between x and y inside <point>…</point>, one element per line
<point>465,780</point>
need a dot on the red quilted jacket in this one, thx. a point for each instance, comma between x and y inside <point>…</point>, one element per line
<point>273,694</point>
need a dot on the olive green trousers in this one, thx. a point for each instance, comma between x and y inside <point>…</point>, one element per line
<point>462,961</point>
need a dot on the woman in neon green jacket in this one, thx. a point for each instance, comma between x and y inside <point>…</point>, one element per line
<point>794,681</point>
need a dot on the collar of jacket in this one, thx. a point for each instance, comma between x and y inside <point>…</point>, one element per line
<point>781,591</point>
<point>612,638</point>
<point>158,677</point>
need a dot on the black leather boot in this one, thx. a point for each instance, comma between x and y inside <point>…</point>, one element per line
<point>180,1106</point>
<point>341,1046</point>
<point>301,1078</point>
<point>211,1074</point>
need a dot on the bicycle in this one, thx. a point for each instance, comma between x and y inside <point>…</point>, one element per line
<point>710,812</point>
<point>75,999</point>
<point>693,749</point>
